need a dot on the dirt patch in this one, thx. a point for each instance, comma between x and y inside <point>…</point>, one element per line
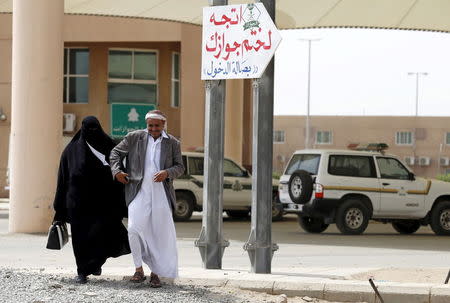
<point>405,275</point>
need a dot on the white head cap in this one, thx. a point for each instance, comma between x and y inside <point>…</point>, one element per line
<point>151,115</point>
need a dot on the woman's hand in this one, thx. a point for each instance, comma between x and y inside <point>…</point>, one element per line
<point>122,178</point>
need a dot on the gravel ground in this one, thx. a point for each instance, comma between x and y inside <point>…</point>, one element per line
<point>26,286</point>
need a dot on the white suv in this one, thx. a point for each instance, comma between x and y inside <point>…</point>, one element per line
<point>237,190</point>
<point>351,187</point>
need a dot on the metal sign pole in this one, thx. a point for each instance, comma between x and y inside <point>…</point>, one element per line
<point>259,245</point>
<point>210,242</point>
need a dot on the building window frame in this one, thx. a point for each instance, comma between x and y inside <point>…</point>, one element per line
<point>67,75</point>
<point>279,136</point>
<point>136,81</point>
<point>175,81</point>
<point>447,138</point>
<point>401,138</point>
<point>320,134</point>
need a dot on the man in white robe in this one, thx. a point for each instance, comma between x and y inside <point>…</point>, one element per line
<point>153,160</point>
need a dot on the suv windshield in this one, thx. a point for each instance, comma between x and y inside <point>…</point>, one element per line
<point>308,162</point>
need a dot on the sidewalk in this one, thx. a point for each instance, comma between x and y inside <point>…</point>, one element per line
<point>346,283</point>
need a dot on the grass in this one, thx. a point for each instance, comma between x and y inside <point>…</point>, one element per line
<point>445,178</point>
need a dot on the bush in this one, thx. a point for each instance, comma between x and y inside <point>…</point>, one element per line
<point>445,178</point>
<point>277,176</point>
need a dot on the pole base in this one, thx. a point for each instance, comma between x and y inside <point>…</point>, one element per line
<point>260,255</point>
<point>211,252</point>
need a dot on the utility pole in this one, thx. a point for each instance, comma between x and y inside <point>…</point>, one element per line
<point>259,245</point>
<point>210,242</point>
<point>417,74</point>
<point>308,127</point>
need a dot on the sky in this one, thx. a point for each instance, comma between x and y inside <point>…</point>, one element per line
<point>363,72</point>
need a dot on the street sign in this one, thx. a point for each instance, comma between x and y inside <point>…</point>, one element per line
<point>126,117</point>
<point>238,41</point>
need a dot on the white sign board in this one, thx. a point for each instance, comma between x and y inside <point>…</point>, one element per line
<point>238,41</point>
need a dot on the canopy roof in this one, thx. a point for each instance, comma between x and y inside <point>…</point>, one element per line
<point>432,15</point>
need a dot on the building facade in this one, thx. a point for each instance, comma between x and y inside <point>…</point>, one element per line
<point>116,67</point>
<point>423,143</point>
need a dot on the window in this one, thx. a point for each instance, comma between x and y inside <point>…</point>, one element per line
<point>308,162</point>
<point>196,166</point>
<point>447,138</point>
<point>76,75</point>
<point>132,76</point>
<point>231,169</point>
<point>278,136</point>
<point>392,169</point>
<point>404,138</point>
<point>351,166</point>
<point>324,137</point>
<point>175,80</point>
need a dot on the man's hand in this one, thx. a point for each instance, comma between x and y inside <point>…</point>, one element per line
<point>160,176</point>
<point>122,178</point>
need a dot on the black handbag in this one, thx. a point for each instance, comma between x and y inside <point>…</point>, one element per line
<point>58,235</point>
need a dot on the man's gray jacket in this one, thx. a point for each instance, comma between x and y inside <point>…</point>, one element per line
<point>134,147</point>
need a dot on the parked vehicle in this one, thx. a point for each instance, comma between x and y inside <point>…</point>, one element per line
<point>237,190</point>
<point>349,188</point>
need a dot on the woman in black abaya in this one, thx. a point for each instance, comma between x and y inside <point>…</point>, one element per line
<point>90,200</point>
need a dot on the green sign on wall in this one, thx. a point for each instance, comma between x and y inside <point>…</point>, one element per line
<point>127,117</point>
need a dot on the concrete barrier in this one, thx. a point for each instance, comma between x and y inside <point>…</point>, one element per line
<point>292,289</point>
<point>440,294</point>
<point>345,291</point>
<point>349,291</point>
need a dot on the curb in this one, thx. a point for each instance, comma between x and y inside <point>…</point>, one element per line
<point>333,290</point>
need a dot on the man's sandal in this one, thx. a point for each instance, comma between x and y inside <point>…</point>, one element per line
<point>138,277</point>
<point>154,281</point>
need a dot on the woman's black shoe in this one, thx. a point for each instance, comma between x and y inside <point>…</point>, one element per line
<point>98,272</point>
<point>81,279</point>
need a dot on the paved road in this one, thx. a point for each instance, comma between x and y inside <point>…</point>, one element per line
<point>379,246</point>
<point>329,253</point>
<point>288,231</point>
<point>322,259</point>
<point>3,221</point>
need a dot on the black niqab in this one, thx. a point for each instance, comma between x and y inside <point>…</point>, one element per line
<point>92,133</point>
<point>90,199</point>
<point>77,150</point>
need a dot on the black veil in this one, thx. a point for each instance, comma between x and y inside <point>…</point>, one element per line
<point>90,199</point>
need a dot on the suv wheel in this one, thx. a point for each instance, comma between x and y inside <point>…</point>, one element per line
<point>184,206</point>
<point>406,226</point>
<point>440,218</point>
<point>300,187</point>
<point>312,225</point>
<point>352,217</point>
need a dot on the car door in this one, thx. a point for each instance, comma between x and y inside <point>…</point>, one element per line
<point>195,171</point>
<point>237,190</point>
<point>401,195</point>
<point>352,174</point>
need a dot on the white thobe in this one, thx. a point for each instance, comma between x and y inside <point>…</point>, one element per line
<point>151,230</point>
